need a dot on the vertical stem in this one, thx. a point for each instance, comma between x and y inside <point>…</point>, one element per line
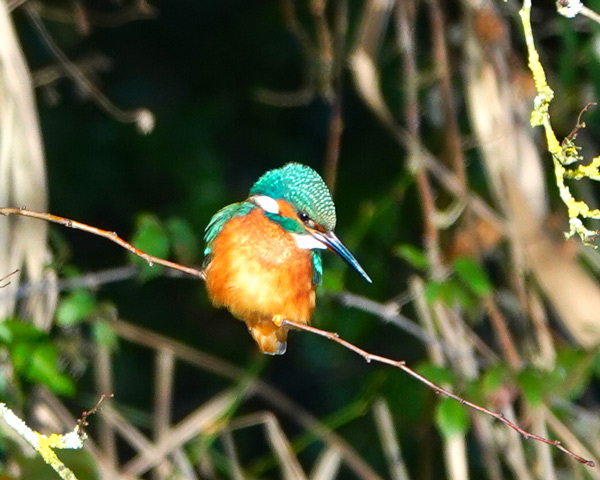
<point>104,384</point>
<point>336,122</point>
<point>440,54</point>
<point>405,17</point>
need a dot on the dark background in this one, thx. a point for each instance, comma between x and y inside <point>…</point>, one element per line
<point>199,66</point>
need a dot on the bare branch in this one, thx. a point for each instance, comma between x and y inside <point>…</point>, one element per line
<point>369,357</point>
<point>112,236</point>
<point>142,117</point>
<point>6,276</point>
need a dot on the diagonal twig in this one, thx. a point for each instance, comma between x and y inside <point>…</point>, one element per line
<point>142,117</point>
<point>369,357</point>
<point>112,236</point>
<point>6,276</point>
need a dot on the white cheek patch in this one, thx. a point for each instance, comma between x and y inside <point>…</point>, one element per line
<point>266,203</point>
<point>308,242</point>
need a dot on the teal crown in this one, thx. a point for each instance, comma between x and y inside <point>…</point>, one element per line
<point>303,188</point>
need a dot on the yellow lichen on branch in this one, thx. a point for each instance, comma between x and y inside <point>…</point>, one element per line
<point>45,444</point>
<point>564,153</point>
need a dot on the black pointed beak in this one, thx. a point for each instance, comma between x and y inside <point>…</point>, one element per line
<point>335,244</point>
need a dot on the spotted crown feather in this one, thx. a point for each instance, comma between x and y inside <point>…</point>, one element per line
<point>302,187</point>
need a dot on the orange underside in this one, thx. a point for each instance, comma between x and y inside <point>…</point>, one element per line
<point>258,272</point>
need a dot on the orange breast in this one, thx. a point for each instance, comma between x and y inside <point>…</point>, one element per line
<point>257,272</point>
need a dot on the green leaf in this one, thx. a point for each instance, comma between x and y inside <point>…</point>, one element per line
<point>534,385</point>
<point>455,292</point>
<point>437,375</point>
<point>473,275</point>
<point>596,365</point>
<point>17,331</point>
<point>493,379</point>
<point>433,291</point>
<point>572,372</point>
<point>43,368</point>
<point>413,255</point>
<point>185,243</point>
<point>151,237</point>
<point>21,354</point>
<point>34,357</point>
<point>105,335</point>
<point>451,417</point>
<point>75,308</point>
<point>449,292</point>
<point>5,333</point>
<point>38,362</point>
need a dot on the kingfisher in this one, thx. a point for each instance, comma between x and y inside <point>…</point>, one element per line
<point>263,255</point>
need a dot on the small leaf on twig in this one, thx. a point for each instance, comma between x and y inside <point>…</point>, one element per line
<point>151,237</point>
<point>451,418</point>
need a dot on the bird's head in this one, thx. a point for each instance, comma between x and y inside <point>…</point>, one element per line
<point>296,197</point>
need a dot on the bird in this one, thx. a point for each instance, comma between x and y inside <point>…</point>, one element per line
<point>262,259</point>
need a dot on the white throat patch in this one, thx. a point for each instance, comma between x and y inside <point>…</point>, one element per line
<point>266,203</point>
<point>308,242</point>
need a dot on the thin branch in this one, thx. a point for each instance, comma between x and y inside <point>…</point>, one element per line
<point>307,90</point>
<point>6,276</point>
<point>406,15</point>
<point>589,13</point>
<point>13,4</point>
<point>112,236</point>
<point>46,444</point>
<point>142,117</point>
<point>388,312</point>
<point>82,421</point>
<point>452,132</point>
<point>140,10</point>
<point>369,357</point>
<point>336,121</point>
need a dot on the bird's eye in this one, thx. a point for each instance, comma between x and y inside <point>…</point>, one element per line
<point>305,219</point>
<point>303,216</point>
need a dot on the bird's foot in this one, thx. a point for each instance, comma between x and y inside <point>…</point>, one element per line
<point>278,320</point>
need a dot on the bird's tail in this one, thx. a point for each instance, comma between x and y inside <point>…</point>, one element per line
<point>270,338</point>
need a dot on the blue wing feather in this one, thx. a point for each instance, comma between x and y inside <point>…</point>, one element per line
<point>219,219</point>
<point>317,268</point>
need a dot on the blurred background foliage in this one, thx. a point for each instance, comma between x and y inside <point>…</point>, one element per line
<point>236,87</point>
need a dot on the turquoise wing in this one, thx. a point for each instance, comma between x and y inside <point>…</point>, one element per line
<point>220,218</point>
<point>317,268</point>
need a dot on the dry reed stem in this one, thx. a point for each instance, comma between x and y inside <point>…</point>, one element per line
<point>265,391</point>
<point>235,467</point>
<point>327,465</point>
<point>389,440</point>
<point>104,374</point>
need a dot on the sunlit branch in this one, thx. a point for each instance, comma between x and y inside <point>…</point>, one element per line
<point>46,444</point>
<point>6,276</point>
<point>369,357</point>
<point>566,152</point>
<point>112,236</point>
